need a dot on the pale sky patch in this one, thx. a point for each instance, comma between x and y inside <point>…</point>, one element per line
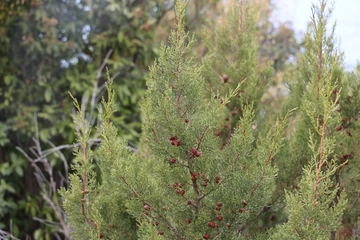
<point>347,16</point>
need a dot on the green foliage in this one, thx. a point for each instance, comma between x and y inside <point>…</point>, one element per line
<point>211,189</point>
<point>310,216</point>
<point>93,216</point>
<point>147,231</point>
<point>10,8</point>
<point>48,48</point>
<point>347,146</point>
<point>211,163</point>
<point>233,58</point>
<point>317,141</point>
<point>188,181</point>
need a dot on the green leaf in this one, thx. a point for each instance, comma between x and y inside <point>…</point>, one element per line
<point>113,7</point>
<point>37,234</point>
<point>10,189</point>
<point>5,169</point>
<point>8,79</point>
<point>19,170</point>
<point>47,95</point>
<point>120,36</point>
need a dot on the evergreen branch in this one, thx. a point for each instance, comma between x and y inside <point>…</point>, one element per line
<point>172,227</point>
<point>153,131</point>
<point>83,138</point>
<point>178,106</point>
<point>132,190</point>
<point>202,137</point>
<point>109,104</point>
<point>194,184</point>
<point>263,173</point>
<point>232,94</point>
<point>235,161</point>
<point>241,16</point>
<point>187,108</point>
<point>179,27</point>
<point>320,66</point>
<point>165,115</point>
<point>166,97</point>
<point>179,14</point>
<point>217,71</point>
<point>229,135</point>
<point>198,197</point>
<point>194,179</point>
<point>205,194</point>
<point>184,165</point>
<point>139,198</point>
<point>297,232</point>
<point>321,161</point>
<point>83,190</point>
<point>275,143</point>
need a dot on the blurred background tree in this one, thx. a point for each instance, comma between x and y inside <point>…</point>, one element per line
<point>10,8</point>
<point>50,47</point>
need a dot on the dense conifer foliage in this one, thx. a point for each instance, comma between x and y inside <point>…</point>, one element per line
<point>212,162</point>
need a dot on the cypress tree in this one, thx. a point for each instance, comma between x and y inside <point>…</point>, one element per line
<point>314,202</point>
<point>191,180</point>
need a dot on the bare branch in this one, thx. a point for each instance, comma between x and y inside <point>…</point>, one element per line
<point>98,75</point>
<point>7,236</point>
